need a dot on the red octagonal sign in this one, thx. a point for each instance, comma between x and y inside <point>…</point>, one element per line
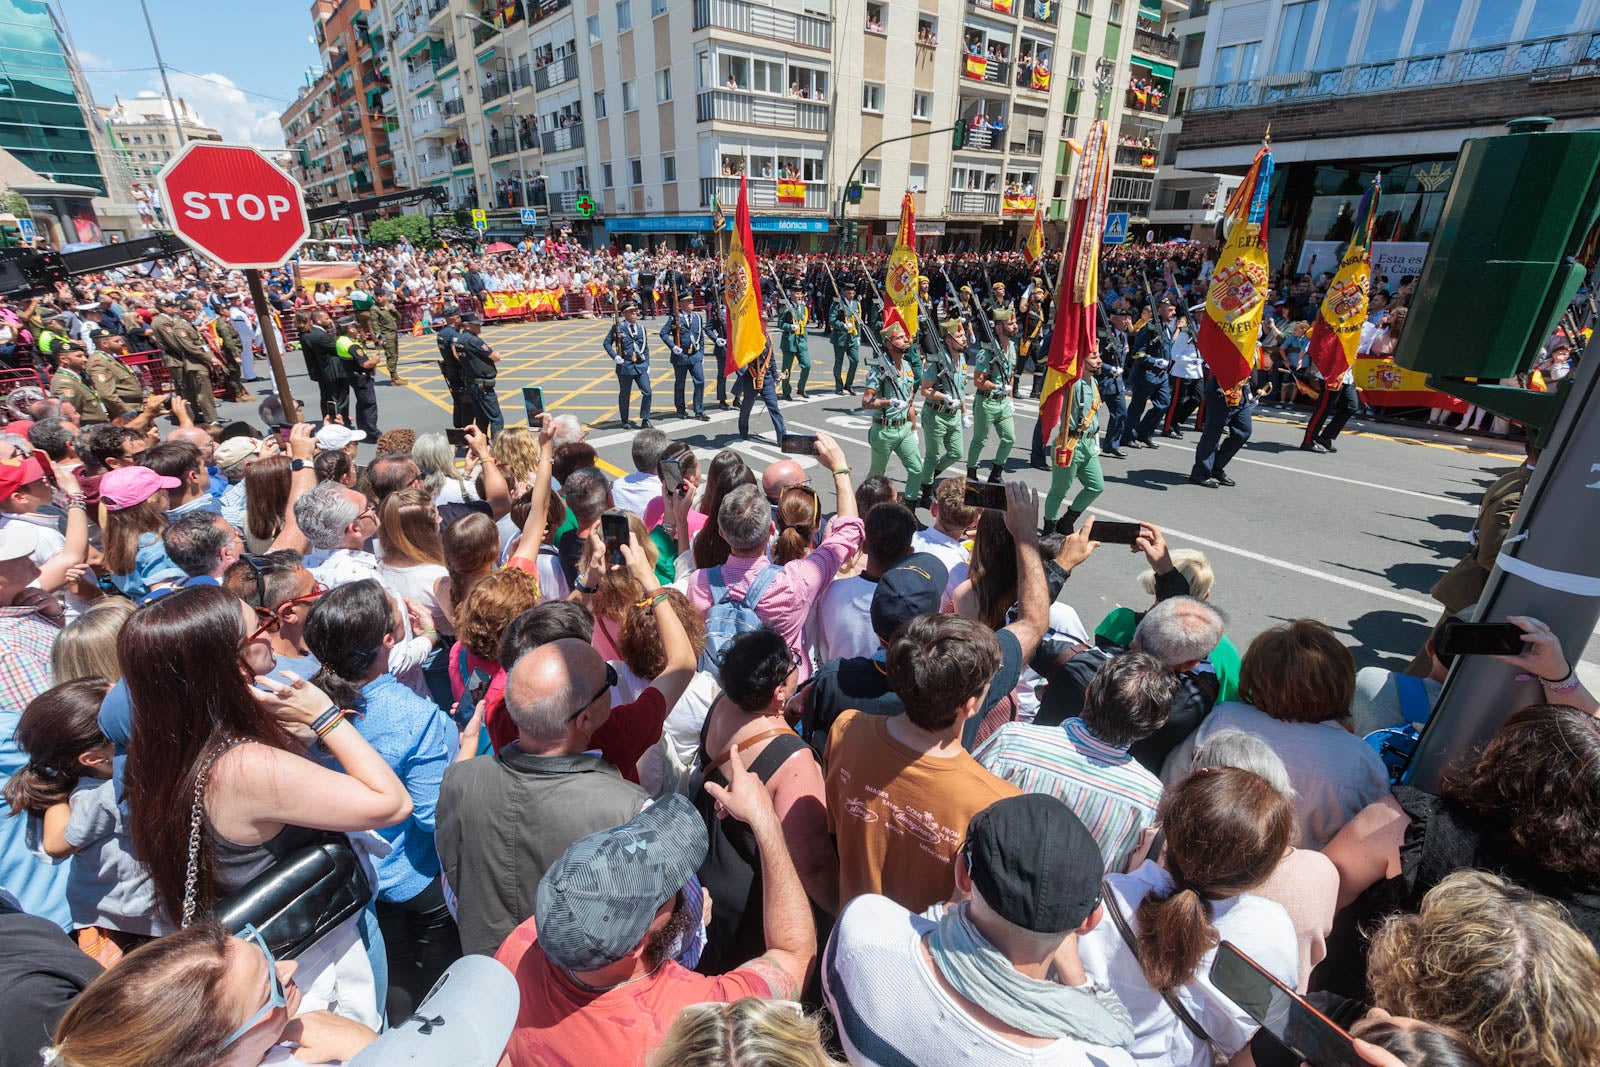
<point>234,204</point>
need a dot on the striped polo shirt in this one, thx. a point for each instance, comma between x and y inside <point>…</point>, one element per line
<point>1104,786</point>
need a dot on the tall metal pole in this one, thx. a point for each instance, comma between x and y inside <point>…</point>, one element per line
<point>161,65</point>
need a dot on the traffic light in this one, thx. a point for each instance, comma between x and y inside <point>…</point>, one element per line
<point>958,136</point>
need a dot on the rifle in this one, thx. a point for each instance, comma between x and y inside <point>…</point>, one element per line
<point>979,314</point>
<point>879,358</point>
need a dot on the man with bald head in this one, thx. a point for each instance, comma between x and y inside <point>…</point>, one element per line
<point>778,477</point>
<point>503,819</point>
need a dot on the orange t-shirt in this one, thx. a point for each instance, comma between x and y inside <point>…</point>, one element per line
<point>899,816</point>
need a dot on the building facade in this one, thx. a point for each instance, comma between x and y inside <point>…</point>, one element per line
<point>149,130</point>
<point>47,119</point>
<point>1388,89</point>
<point>651,110</point>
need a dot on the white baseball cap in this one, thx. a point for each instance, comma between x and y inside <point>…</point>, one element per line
<point>333,436</point>
<point>17,539</point>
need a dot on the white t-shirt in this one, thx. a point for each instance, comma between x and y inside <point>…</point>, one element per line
<point>635,491</point>
<point>417,582</point>
<point>1260,929</point>
<point>951,552</point>
<point>891,1009</point>
<point>843,618</point>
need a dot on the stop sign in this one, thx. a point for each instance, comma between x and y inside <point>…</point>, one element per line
<point>233,204</point>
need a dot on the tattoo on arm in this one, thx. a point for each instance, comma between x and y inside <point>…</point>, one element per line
<point>778,979</point>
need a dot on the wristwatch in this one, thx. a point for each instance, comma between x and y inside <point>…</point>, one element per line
<point>299,464</point>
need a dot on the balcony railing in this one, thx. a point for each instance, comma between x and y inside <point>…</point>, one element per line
<point>454,108</point>
<point>482,33</point>
<point>337,59</point>
<point>1129,156</point>
<point>419,77</point>
<point>430,123</point>
<point>1148,102</point>
<point>1539,59</point>
<point>561,140</point>
<point>521,76</point>
<point>460,155</point>
<point>347,92</point>
<point>1042,10</point>
<point>433,167</point>
<point>1004,7</point>
<point>1153,44</point>
<point>983,139</point>
<point>505,142</point>
<point>759,20</point>
<point>969,203</point>
<point>565,203</point>
<point>985,69</point>
<point>753,109</point>
<point>556,72</point>
<point>495,89</point>
<point>361,188</point>
<point>764,193</point>
<point>445,58</point>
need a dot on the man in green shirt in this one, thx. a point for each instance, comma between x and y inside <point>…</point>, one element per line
<point>1082,422</point>
<point>844,329</point>
<point>942,386</point>
<point>991,379</point>
<point>890,394</point>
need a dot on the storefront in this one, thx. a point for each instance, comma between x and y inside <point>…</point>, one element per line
<point>694,232</point>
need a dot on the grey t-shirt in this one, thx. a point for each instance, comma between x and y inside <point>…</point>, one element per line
<point>1377,704</point>
<point>106,886</point>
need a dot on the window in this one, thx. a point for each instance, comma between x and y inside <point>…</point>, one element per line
<point>1388,27</point>
<point>922,106</point>
<point>1115,14</point>
<point>767,77</point>
<point>872,97</point>
<point>927,31</point>
<point>1237,62</point>
<point>1550,17</point>
<point>1192,45</point>
<point>735,72</point>
<point>600,105</point>
<point>669,168</point>
<point>658,8</point>
<point>808,84</point>
<point>868,173</point>
<point>1339,29</point>
<point>593,23</point>
<point>877,16</point>
<point>1294,37</point>
<point>624,15</point>
<point>917,178</point>
<point>1436,26</point>
<point>630,96</point>
<point>663,85</point>
<point>1075,67</point>
<point>636,171</point>
<point>1069,126</point>
<point>702,70</point>
<point>605,175</point>
<point>1085,7</point>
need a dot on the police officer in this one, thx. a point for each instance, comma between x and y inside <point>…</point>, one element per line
<point>1150,361</point>
<point>1115,346</point>
<point>385,323</point>
<point>197,361</point>
<point>357,367</point>
<point>628,345</point>
<point>476,361</point>
<point>684,334</point>
<point>70,383</point>
<point>992,380</point>
<point>54,332</point>
<point>943,383</point>
<point>114,381</point>
<point>889,395</point>
<point>1221,410</point>
<point>844,328</point>
<point>759,377</point>
<point>795,319</point>
<point>450,367</point>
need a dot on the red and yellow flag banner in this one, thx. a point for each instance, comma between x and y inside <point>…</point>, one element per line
<point>791,192</point>
<point>977,67</point>
<point>1336,332</point>
<point>900,281</point>
<point>1003,6</point>
<point>1018,203</point>
<point>1231,328</point>
<point>1078,285</point>
<point>1041,80</point>
<point>747,338</point>
<point>1033,247</point>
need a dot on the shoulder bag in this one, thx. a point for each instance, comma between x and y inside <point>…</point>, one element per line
<point>1120,921</point>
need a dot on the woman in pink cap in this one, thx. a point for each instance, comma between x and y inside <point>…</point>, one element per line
<point>135,502</point>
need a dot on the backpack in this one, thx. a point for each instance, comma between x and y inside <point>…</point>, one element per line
<point>1396,745</point>
<point>731,616</point>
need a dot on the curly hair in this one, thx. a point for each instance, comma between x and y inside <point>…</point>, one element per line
<point>639,640</point>
<point>516,451</point>
<point>494,601</point>
<point>1498,963</point>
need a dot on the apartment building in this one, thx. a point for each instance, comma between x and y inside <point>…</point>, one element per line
<point>336,127</point>
<point>1357,89</point>
<point>647,112</point>
<point>149,130</point>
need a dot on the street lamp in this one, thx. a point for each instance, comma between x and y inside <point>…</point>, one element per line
<point>1104,77</point>
<point>511,100</point>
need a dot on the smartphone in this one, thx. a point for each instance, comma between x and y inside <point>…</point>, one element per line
<point>671,476</point>
<point>457,436</point>
<point>1302,1029</point>
<point>1480,639</point>
<point>798,444</point>
<point>1114,533</point>
<point>533,400</point>
<point>614,528</point>
<point>984,495</point>
<point>330,409</point>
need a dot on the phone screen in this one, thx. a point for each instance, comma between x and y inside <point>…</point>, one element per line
<point>1480,639</point>
<point>457,436</point>
<point>533,400</point>
<point>671,476</point>
<point>1114,533</point>
<point>614,528</point>
<point>984,495</point>
<point>330,409</point>
<point>798,444</point>
<point>1302,1029</point>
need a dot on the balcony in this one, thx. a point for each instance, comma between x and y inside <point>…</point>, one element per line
<point>1154,102</point>
<point>502,141</point>
<point>764,193</point>
<point>1546,59</point>
<point>557,72</point>
<point>964,202</point>
<point>996,72</point>
<point>752,109</point>
<point>521,76</point>
<point>482,34</point>
<point>1046,11</point>
<point>361,188</point>
<point>495,87</point>
<point>454,111</point>
<point>1129,156</point>
<point>983,139</point>
<point>337,58</point>
<point>1146,43</point>
<point>433,167</point>
<point>344,94</point>
<point>418,78</point>
<point>383,150</point>
<point>561,140</point>
<point>1001,7</point>
<point>565,203</point>
<point>444,58</point>
<point>460,155</point>
<point>435,8</point>
<point>430,125</point>
<point>775,24</point>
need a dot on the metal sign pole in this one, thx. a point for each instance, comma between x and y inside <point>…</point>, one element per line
<point>269,341</point>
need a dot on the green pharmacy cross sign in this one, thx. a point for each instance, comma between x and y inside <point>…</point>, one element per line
<point>586,206</point>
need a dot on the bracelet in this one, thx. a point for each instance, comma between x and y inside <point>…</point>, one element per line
<point>586,590</point>
<point>650,601</point>
<point>841,470</point>
<point>1566,684</point>
<point>322,720</point>
<point>332,726</point>
<point>76,498</point>
<point>81,505</point>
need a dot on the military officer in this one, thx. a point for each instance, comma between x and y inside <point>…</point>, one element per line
<point>684,334</point>
<point>231,346</point>
<point>943,383</point>
<point>844,328</point>
<point>1221,410</point>
<point>1082,430</point>
<point>197,361</point>
<point>114,381</point>
<point>161,324</point>
<point>794,321</point>
<point>628,345</point>
<point>759,377</point>
<point>1115,345</point>
<point>70,382</point>
<point>385,323</point>
<point>889,395</point>
<point>1150,360</point>
<point>357,366</point>
<point>477,362</point>
<point>991,380</point>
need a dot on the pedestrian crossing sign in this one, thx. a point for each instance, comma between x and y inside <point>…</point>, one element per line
<point>25,229</point>
<point>530,217</point>
<point>478,216</point>
<point>1116,228</point>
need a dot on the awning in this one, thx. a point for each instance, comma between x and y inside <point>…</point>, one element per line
<point>1150,10</point>
<point>1159,70</point>
<point>702,224</point>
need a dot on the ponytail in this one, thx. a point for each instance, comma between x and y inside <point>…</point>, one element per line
<point>1175,933</point>
<point>344,631</point>
<point>56,729</point>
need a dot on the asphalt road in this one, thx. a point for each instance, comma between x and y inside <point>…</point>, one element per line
<point>1355,539</point>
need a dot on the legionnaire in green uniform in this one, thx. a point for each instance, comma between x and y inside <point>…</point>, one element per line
<point>1083,436</point>
<point>161,326</point>
<point>795,320</point>
<point>844,328</point>
<point>197,362</point>
<point>385,322</point>
<point>70,384</point>
<point>114,381</point>
<point>943,383</point>
<point>232,346</point>
<point>992,379</point>
<point>889,394</point>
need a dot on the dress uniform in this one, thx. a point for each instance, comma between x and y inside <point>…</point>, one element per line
<point>628,345</point>
<point>476,361</point>
<point>684,334</point>
<point>1220,410</point>
<point>385,323</point>
<point>992,379</point>
<point>1150,384</point>
<point>759,377</point>
<point>450,369</point>
<point>196,361</point>
<point>357,367</point>
<point>118,387</point>
<point>1115,347</point>
<point>70,385</point>
<point>794,321</point>
<point>1083,435</point>
<point>943,383</point>
<point>231,346</point>
<point>844,329</point>
<point>1188,372</point>
<point>1334,408</point>
<point>161,325</point>
<point>889,394</point>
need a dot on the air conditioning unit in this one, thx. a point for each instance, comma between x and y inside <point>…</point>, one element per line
<point>1078,84</point>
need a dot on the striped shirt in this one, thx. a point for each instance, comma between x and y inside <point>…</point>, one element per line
<point>1104,786</point>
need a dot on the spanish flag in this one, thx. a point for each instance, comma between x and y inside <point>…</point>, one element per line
<point>977,67</point>
<point>1336,333</point>
<point>791,192</point>
<point>1033,247</point>
<point>900,282</point>
<point>747,339</point>
<point>1230,330</point>
<point>1078,285</point>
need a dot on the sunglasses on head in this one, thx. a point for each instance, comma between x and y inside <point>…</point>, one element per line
<point>611,683</point>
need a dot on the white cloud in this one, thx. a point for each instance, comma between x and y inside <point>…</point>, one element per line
<point>219,103</point>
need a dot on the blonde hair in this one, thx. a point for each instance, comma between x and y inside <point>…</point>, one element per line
<point>87,646</point>
<point>516,452</point>
<point>1192,564</point>
<point>1498,963</point>
<point>750,1032</point>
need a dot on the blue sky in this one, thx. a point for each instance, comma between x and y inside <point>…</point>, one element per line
<point>242,62</point>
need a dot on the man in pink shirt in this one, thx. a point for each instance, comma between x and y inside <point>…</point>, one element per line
<point>745,521</point>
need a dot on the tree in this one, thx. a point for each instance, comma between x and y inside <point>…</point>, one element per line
<point>14,203</point>
<point>413,228</point>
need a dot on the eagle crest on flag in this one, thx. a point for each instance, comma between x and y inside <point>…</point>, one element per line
<point>1236,288</point>
<point>1348,297</point>
<point>738,282</point>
